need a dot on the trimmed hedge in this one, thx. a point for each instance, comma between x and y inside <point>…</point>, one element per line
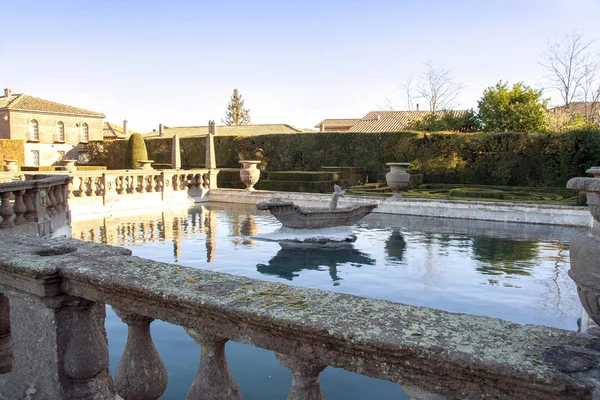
<point>12,150</point>
<point>511,159</point>
<point>477,193</point>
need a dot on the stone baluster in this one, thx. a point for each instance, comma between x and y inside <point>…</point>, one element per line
<point>70,188</point>
<point>6,355</point>
<point>91,186</point>
<point>19,208</point>
<point>81,191</point>
<point>6,210</point>
<point>131,184</point>
<point>175,181</point>
<point>206,180</point>
<point>119,184</point>
<point>62,345</point>
<point>58,192</point>
<point>305,369</point>
<point>213,380</point>
<point>31,200</point>
<point>51,201</point>
<point>141,373</point>
<point>151,184</point>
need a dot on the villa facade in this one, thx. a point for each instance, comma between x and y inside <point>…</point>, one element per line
<point>51,131</point>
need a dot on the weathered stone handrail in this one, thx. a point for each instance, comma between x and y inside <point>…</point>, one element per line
<point>33,203</point>
<point>57,290</point>
<point>108,184</point>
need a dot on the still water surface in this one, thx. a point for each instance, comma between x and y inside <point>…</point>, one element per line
<point>509,271</point>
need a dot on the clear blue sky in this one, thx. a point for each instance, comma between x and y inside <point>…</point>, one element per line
<point>297,62</point>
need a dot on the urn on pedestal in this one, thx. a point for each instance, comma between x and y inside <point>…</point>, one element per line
<point>10,166</point>
<point>69,165</point>
<point>145,164</point>
<point>249,173</point>
<point>397,179</point>
<point>585,250</point>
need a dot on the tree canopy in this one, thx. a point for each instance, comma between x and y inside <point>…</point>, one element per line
<point>517,109</point>
<point>236,113</point>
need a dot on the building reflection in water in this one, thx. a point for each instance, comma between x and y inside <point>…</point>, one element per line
<point>152,227</point>
<point>293,258</point>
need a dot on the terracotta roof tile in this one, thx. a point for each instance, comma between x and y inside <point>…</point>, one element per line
<point>393,121</point>
<point>23,102</point>
<point>241,130</point>
<point>331,123</point>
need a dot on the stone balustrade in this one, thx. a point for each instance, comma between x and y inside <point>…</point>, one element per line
<point>34,207</point>
<point>107,184</point>
<point>53,300</point>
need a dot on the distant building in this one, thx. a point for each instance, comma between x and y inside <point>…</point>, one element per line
<point>114,132</point>
<point>51,131</point>
<point>225,130</point>
<point>337,125</point>
<point>380,121</point>
<point>590,110</point>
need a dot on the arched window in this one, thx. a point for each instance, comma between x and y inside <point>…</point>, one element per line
<point>59,134</point>
<point>84,133</point>
<point>34,130</point>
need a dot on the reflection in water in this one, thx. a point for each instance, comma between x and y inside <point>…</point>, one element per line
<point>395,247</point>
<point>498,256</point>
<point>292,259</point>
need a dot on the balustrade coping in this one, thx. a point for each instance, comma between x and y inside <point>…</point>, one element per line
<point>453,354</point>
<point>114,172</point>
<point>33,184</point>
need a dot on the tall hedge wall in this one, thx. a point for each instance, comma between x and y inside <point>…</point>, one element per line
<point>541,159</point>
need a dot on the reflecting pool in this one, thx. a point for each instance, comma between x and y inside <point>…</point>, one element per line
<point>509,271</point>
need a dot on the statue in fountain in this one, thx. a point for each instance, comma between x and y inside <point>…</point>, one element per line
<point>293,216</point>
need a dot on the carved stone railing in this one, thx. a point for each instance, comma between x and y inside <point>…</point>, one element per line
<point>57,289</point>
<point>111,185</point>
<point>34,206</point>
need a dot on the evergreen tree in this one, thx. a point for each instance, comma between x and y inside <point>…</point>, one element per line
<point>236,113</point>
<point>512,109</point>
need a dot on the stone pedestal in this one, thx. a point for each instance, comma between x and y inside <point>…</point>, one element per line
<point>397,179</point>
<point>10,166</point>
<point>249,173</point>
<point>69,165</point>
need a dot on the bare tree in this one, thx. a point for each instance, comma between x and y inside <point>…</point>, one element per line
<point>388,105</point>
<point>408,89</point>
<point>590,88</point>
<point>438,87</point>
<point>568,62</point>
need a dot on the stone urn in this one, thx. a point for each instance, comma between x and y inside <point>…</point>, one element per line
<point>585,250</point>
<point>10,166</point>
<point>249,173</point>
<point>397,179</point>
<point>69,165</point>
<point>145,164</point>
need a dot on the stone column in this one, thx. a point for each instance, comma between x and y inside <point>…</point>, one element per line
<point>175,153</point>
<point>5,345</point>
<point>141,373</point>
<point>306,370</point>
<point>213,380</point>
<point>211,161</point>
<point>60,348</point>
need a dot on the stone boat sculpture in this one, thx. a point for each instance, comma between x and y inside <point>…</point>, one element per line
<point>293,216</point>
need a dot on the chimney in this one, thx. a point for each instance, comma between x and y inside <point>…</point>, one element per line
<point>125,127</point>
<point>377,117</point>
<point>160,129</point>
<point>7,92</point>
<point>417,106</point>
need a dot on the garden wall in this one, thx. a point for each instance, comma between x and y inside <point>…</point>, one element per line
<point>516,159</point>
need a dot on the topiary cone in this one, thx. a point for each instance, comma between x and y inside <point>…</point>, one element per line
<point>136,150</point>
